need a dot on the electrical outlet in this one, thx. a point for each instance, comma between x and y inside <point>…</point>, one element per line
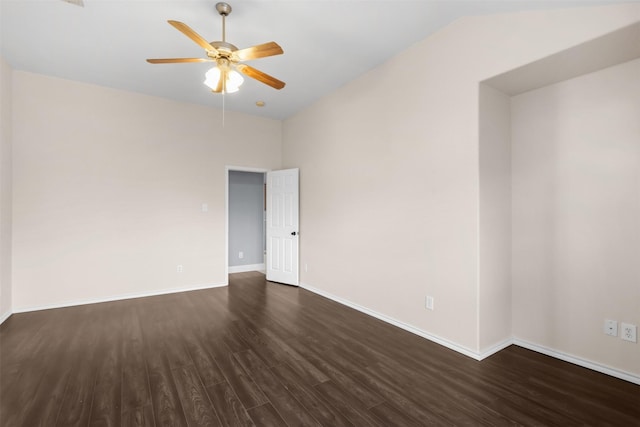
<point>179,269</point>
<point>306,267</point>
<point>240,254</point>
<point>628,332</point>
<point>428,303</point>
<point>611,327</point>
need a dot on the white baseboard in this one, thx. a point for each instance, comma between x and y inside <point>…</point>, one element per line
<point>495,348</point>
<point>248,267</point>
<point>594,366</point>
<point>5,316</point>
<point>617,373</point>
<point>118,297</point>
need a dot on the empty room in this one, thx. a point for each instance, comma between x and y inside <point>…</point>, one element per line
<point>171,172</point>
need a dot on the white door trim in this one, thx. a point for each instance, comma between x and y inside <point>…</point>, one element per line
<point>226,210</point>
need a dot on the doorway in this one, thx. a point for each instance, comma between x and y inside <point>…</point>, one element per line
<point>246,210</point>
<point>266,202</point>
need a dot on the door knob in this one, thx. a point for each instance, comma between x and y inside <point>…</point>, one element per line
<point>293,233</point>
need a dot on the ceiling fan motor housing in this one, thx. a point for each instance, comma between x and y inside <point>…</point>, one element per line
<point>224,50</point>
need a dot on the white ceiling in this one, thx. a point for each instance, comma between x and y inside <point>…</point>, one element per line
<point>326,43</point>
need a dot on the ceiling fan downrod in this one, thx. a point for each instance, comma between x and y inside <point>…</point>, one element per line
<point>224,10</point>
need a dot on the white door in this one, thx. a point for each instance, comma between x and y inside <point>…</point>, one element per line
<point>282,226</point>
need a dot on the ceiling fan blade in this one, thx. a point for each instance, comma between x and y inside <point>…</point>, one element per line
<point>259,51</point>
<point>187,31</point>
<point>260,76</point>
<point>176,60</point>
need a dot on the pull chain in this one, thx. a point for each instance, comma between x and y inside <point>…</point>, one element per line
<point>223,75</point>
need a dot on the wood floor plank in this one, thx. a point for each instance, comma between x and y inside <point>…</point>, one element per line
<point>228,407</point>
<point>76,404</point>
<point>16,399</point>
<point>437,396</point>
<point>201,337</point>
<point>515,398</point>
<point>565,392</point>
<point>176,349</point>
<point>345,361</point>
<point>258,353</point>
<point>266,416</point>
<point>163,320</point>
<point>242,384</point>
<point>166,405</point>
<point>50,394</point>
<point>206,365</point>
<point>309,398</point>
<point>392,416</point>
<point>307,370</point>
<point>48,399</point>
<point>256,341</point>
<point>138,417</point>
<point>32,391</point>
<point>233,342</point>
<point>395,392</point>
<point>135,381</point>
<point>344,402</point>
<point>339,376</point>
<point>215,346</point>
<point>444,384</point>
<point>194,397</point>
<point>292,411</point>
<point>355,354</point>
<point>344,358</point>
<point>425,406</point>
<point>165,401</point>
<point>107,393</point>
<point>20,332</point>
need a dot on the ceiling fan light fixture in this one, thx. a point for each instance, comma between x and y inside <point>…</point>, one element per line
<point>211,77</point>
<point>233,83</point>
<point>234,79</point>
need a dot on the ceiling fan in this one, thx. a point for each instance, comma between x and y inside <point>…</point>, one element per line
<point>224,77</point>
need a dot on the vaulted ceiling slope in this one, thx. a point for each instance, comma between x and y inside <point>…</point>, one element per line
<point>326,43</point>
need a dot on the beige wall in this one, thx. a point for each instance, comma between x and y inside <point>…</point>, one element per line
<point>5,189</point>
<point>495,218</point>
<point>108,188</point>
<point>576,214</point>
<point>389,168</point>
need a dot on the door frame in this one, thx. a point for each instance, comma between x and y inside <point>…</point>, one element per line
<point>227,169</point>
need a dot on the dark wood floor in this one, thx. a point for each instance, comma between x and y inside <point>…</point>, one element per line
<point>258,353</point>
